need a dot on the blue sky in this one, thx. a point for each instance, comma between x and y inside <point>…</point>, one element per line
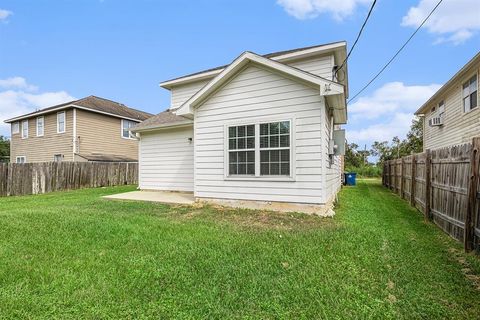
<point>52,51</point>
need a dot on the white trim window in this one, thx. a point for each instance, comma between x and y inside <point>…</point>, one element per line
<point>15,127</point>
<point>126,125</point>
<point>40,126</point>
<point>260,150</point>
<point>25,129</point>
<point>275,149</point>
<point>469,94</point>
<point>441,109</point>
<point>20,159</point>
<point>58,158</point>
<point>61,122</point>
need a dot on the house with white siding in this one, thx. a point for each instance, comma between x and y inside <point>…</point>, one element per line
<point>262,131</point>
<point>452,114</point>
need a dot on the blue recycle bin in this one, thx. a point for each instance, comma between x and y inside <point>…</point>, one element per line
<point>351,178</point>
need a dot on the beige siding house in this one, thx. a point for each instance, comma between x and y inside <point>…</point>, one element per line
<point>452,114</point>
<point>88,129</point>
<point>258,131</point>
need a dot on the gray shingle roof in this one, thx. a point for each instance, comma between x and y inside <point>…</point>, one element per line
<point>97,104</point>
<point>164,118</point>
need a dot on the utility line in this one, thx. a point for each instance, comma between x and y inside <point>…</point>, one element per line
<point>396,54</point>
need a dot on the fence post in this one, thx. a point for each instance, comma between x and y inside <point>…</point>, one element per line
<point>413,173</point>
<point>428,186</point>
<point>402,177</point>
<point>469,231</point>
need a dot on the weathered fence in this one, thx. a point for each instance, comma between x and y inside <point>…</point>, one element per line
<point>34,178</point>
<point>443,184</point>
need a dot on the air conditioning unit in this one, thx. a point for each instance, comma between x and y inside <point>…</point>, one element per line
<point>435,121</point>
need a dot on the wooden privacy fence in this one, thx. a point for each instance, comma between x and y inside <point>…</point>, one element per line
<point>34,178</point>
<point>443,184</point>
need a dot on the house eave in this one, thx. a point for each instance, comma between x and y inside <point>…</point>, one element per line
<point>163,126</point>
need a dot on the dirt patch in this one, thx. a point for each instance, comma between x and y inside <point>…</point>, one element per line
<point>466,268</point>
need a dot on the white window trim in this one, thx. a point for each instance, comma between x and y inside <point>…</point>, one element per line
<point>23,123</point>
<point>64,122</point>
<point>121,130</point>
<point>257,176</point>
<point>17,124</point>
<point>20,157</point>
<point>58,154</point>
<point>461,93</point>
<point>43,126</point>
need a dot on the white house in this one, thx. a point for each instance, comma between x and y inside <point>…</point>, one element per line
<point>257,132</point>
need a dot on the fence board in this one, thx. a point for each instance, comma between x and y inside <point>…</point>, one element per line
<point>36,178</point>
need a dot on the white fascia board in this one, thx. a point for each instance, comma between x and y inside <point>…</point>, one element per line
<point>281,58</point>
<point>164,126</point>
<point>327,87</point>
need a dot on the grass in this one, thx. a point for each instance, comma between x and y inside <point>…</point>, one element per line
<point>74,255</point>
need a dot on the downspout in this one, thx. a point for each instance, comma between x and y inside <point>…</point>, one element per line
<point>74,134</point>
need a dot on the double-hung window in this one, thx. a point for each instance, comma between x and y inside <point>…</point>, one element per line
<point>21,159</point>
<point>24,129</point>
<point>126,125</point>
<point>260,150</point>
<point>61,122</point>
<point>469,94</point>
<point>15,128</point>
<point>40,126</point>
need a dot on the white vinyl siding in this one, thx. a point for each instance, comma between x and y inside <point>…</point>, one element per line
<point>254,95</point>
<point>458,126</point>
<point>182,93</point>
<point>320,66</point>
<point>166,160</point>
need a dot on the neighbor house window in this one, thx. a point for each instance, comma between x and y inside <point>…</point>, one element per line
<point>275,149</point>
<point>40,126</point>
<point>15,128</point>
<point>126,125</point>
<point>24,129</point>
<point>261,149</point>
<point>21,159</point>
<point>469,93</point>
<point>441,109</point>
<point>58,158</point>
<point>241,150</point>
<point>61,122</point>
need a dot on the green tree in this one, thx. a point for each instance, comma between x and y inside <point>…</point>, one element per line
<point>4,149</point>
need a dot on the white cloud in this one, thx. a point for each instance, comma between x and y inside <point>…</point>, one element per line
<point>387,112</point>
<point>307,9</point>
<point>453,21</point>
<point>390,98</point>
<point>17,100</point>
<point>4,14</point>
<point>16,83</point>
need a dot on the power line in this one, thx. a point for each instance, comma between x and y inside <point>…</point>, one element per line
<point>358,36</point>
<point>396,54</point>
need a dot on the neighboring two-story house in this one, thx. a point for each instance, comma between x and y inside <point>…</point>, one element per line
<point>452,114</point>
<point>88,129</point>
<point>261,130</point>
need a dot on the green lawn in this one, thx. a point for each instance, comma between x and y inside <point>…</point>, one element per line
<point>75,255</point>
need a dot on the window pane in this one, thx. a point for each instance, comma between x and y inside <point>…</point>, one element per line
<point>473,100</point>
<point>264,156</point>
<point>242,157</point>
<point>274,128</point>
<point>264,169</point>
<point>241,131</point>
<point>264,142</point>
<point>275,156</point>
<point>466,90</point>
<point>241,143</point>
<point>285,127</point>
<point>466,103</point>
<point>232,132</point>
<point>285,155</point>
<point>264,129</point>
<point>232,144</point>
<point>473,84</point>
<point>285,169</point>
<point>242,168</point>
<point>232,157</point>
<point>284,141</point>
<point>251,130</point>
<point>250,143</point>
<point>274,169</point>
<point>251,168</point>
<point>251,156</point>
<point>232,169</point>
<point>274,141</point>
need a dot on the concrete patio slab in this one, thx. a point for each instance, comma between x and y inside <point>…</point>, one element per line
<point>155,196</point>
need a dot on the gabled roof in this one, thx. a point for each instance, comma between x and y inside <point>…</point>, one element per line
<point>281,56</point>
<point>326,87</point>
<point>163,119</point>
<point>446,86</point>
<point>93,104</point>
